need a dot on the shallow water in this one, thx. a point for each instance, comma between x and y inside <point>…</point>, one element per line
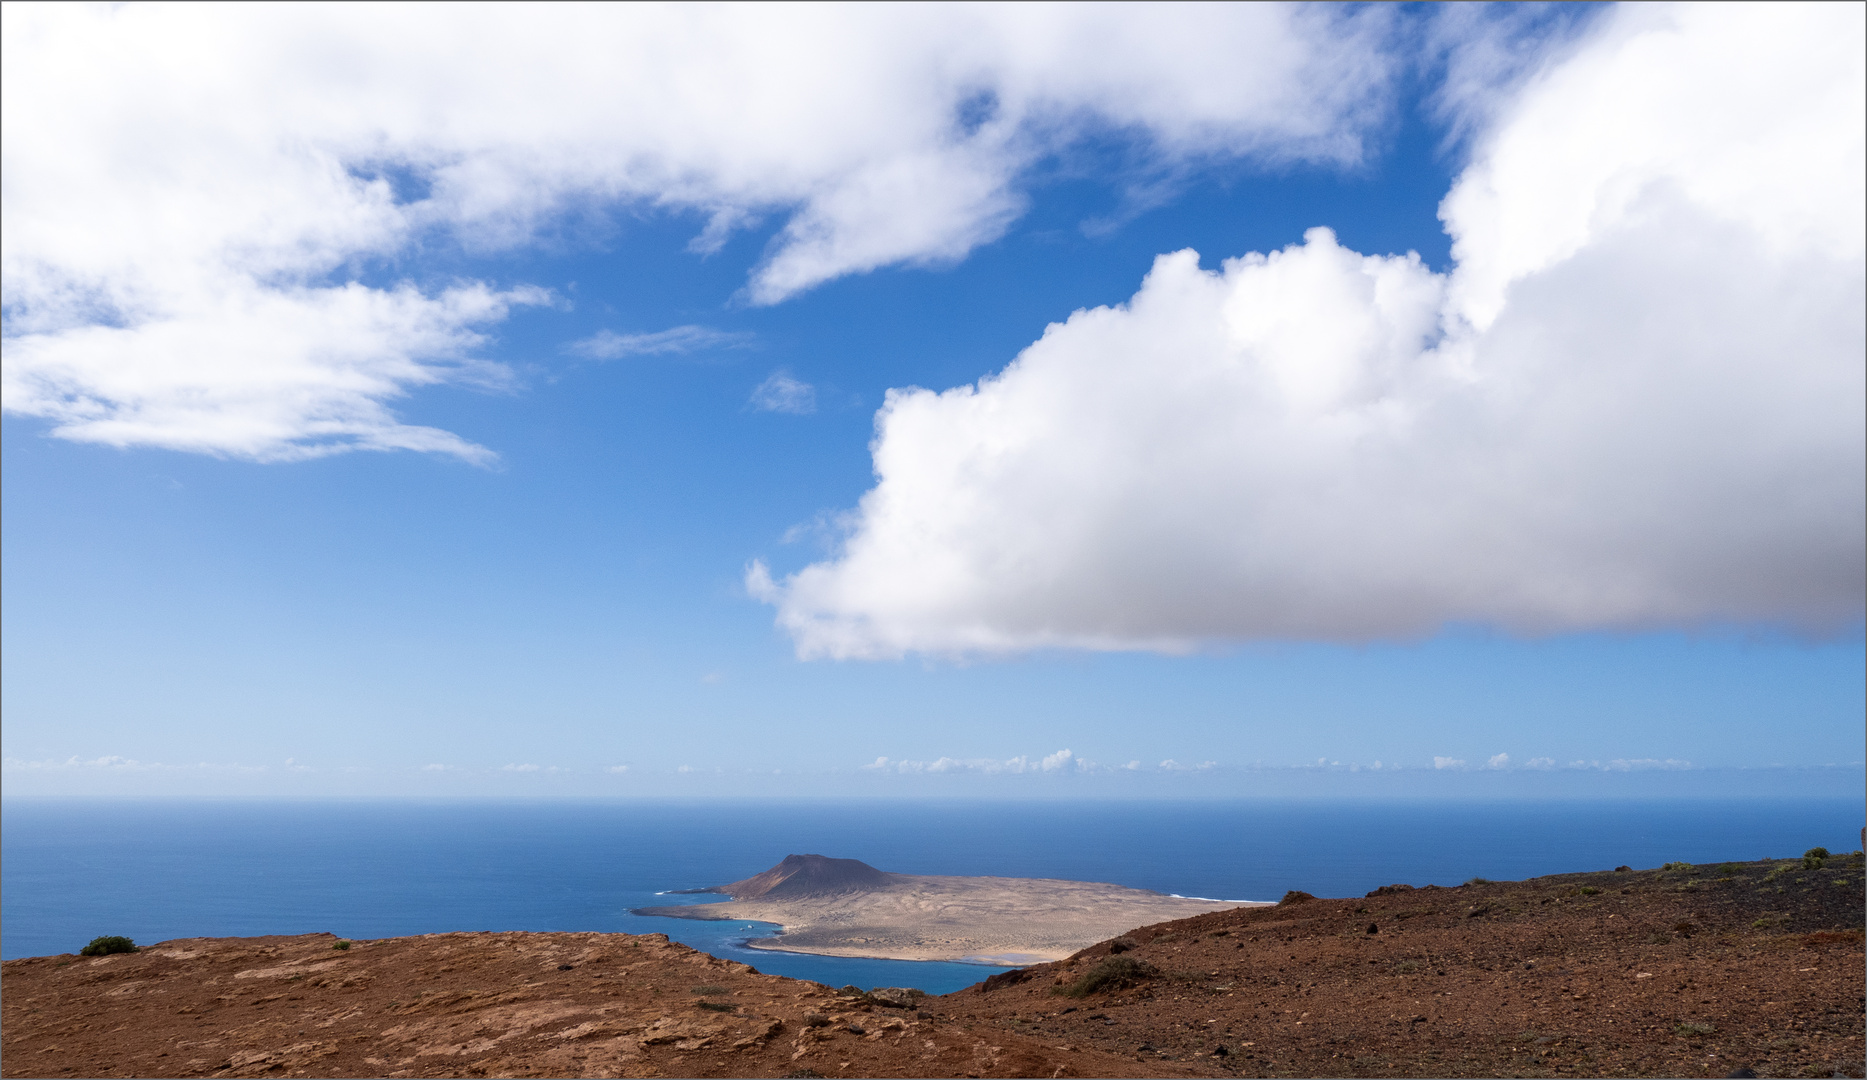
<point>154,869</point>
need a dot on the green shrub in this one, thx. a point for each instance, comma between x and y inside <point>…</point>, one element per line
<point>341,945</point>
<point>106,946</point>
<point>1816,853</point>
<point>1110,973</point>
<point>1478,881</point>
<point>1590,890</point>
<point>1693,1029</point>
<point>1680,867</point>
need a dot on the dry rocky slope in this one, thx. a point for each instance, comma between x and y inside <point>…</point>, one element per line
<point>845,907</point>
<point>1685,971</point>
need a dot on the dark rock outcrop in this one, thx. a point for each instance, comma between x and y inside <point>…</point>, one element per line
<point>809,875</point>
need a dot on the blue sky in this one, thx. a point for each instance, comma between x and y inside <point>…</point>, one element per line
<point>1586,517</point>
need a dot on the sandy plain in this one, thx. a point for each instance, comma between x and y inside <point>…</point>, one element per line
<point>842,907</point>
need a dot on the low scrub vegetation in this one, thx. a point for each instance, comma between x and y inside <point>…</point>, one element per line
<point>107,946</point>
<point>1110,973</point>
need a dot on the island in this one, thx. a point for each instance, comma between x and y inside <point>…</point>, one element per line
<point>845,907</point>
<point>1722,969</point>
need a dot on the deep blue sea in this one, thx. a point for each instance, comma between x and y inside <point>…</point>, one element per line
<point>71,870</point>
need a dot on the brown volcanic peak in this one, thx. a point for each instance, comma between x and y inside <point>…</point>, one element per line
<point>809,875</point>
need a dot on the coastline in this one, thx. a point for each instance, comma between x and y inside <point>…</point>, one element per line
<point>988,921</point>
<point>1745,968</point>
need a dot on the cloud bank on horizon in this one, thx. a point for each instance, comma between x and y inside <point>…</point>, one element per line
<point>193,195</point>
<point>1634,402</point>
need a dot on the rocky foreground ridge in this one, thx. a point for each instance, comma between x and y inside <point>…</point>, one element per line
<point>1707,970</point>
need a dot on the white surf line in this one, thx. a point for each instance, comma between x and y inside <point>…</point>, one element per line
<point>1216,900</point>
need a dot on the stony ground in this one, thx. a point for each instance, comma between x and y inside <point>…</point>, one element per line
<point>1695,971</point>
<point>1688,971</point>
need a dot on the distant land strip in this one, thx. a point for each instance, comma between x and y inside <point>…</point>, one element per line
<point>845,907</point>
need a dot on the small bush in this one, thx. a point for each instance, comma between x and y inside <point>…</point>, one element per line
<point>1816,853</point>
<point>1110,973</point>
<point>1406,966</point>
<point>341,945</point>
<point>1590,890</point>
<point>1294,896</point>
<point>1478,881</point>
<point>108,946</point>
<point>709,990</point>
<point>716,1006</point>
<point>1122,944</point>
<point>1693,1029</point>
<point>1678,867</point>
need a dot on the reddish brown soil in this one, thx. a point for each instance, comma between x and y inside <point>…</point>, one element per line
<point>1691,972</point>
<point>1681,973</point>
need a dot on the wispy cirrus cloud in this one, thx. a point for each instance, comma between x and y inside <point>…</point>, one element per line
<point>196,200</point>
<point>783,393</point>
<point>677,341</point>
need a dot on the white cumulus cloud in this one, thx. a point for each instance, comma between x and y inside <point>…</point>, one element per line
<point>1063,761</point>
<point>208,209</point>
<point>1634,401</point>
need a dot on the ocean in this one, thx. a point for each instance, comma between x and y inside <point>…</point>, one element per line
<point>71,870</point>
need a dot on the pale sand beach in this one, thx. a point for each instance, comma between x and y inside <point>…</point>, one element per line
<point>841,907</point>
